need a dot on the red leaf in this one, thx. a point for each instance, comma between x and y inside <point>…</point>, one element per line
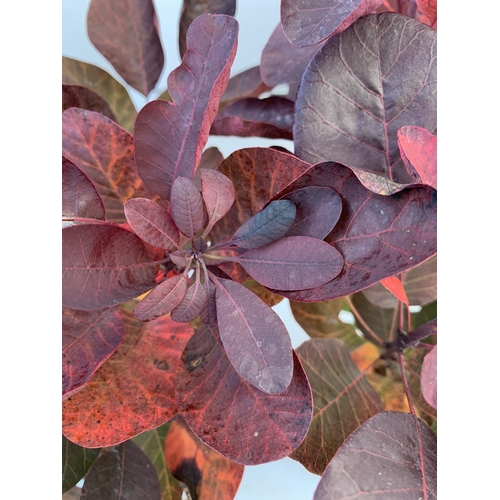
<point>133,391</point>
<point>162,299</point>
<point>399,457</point>
<point>210,159</point>
<point>395,286</point>
<point>187,207</point>
<point>103,266</point>
<point>192,304</point>
<point>293,263</point>
<point>310,23</point>
<point>152,223</point>
<point>169,137</point>
<point>218,193</point>
<point>75,96</point>
<point>418,148</point>
<point>245,84</point>
<point>126,34</point>
<point>271,117</point>
<point>231,416</point>
<point>104,152</point>
<point>429,8</point>
<point>385,80</point>
<point>89,338</point>
<point>429,377</point>
<point>79,196</point>
<point>255,339</point>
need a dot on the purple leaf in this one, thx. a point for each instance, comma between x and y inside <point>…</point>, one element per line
<point>192,304</point>
<point>76,96</point>
<point>152,223</point>
<point>398,453</point>
<point>429,377</point>
<point>209,312</point>
<point>210,159</point>
<point>169,137</point>
<point>103,266</point>
<point>293,263</point>
<point>266,226</point>
<point>255,339</point>
<point>361,88</point>
<point>271,117</point>
<point>245,84</point>
<point>179,258</point>
<point>187,207</point>
<point>218,193</point>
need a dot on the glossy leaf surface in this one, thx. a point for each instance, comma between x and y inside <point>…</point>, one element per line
<point>239,421</point>
<point>218,194</point>
<point>169,137</point>
<point>105,153</point>
<point>76,461</point>
<point>399,457</point>
<point>207,474</point>
<point>343,400</point>
<point>103,266</point>
<point>88,339</point>
<point>187,207</point>
<point>429,377</point>
<point>133,391</point>
<point>76,96</point>
<point>255,339</point>
<point>361,88</point>
<point>248,83</point>
<point>126,34</point>
<point>124,472</point>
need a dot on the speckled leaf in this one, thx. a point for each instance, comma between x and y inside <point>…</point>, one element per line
<point>76,461</point>
<point>187,207</point>
<point>76,96</point>
<point>429,377</point>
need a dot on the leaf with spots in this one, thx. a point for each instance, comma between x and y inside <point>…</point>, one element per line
<point>187,207</point>
<point>133,391</point>
<point>76,461</point>
<point>343,400</point>
<point>206,473</point>
<point>230,415</point>
<point>399,456</point>
<point>76,96</point>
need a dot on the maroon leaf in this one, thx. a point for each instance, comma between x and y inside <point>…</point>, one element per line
<point>239,421</point>
<point>318,210</point>
<point>282,62</point>
<point>399,457</point>
<point>89,338</point>
<point>378,236</point>
<point>418,148</point>
<point>160,301</point>
<point>191,9</point>
<point>180,258</point>
<point>271,117</point>
<point>169,137</point>
<point>209,312</point>
<point>103,266</point>
<point>429,377</point>
<point>210,159</point>
<point>293,263</point>
<point>192,304</point>
<point>266,226</point>
<point>255,339</point>
<point>105,153</point>
<point>124,472</point>
<point>126,34</point>
<point>361,88</point>
<point>310,23</point>
<point>152,223</point>
<point>187,207</point>
<point>79,196</point>
<point>245,84</point>
<point>75,96</point>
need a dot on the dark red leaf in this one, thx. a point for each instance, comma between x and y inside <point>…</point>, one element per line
<point>76,96</point>
<point>103,266</point>
<point>76,461</point>
<point>210,159</point>
<point>133,391</point>
<point>361,88</point>
<point>218,193</point>
<point>169,137</point>
<point>191,9</point>
<point>271,117</point>
<point>192,304</point>
<point>245,84</point>
<point>343,400</point>
<point>122,473</point>
<point>429,377</point>
<point>126,34</point>
<point>187,207</point>
<point>152,223</point>
<point>395,286</point>
<point>398,453</point>
<point>418,148</point>
<point>209,312</point>
<point>318,210</point>
<point>378,236</point>
<point>180,258</point>
<point>89,338</point>
<point>282,62</point>
<point>293,263</point>
<point>162,299</point>
<point>105,153</point>
<point>255,339</point>
<point>266,226</point>
<point>239,421</point>
<point>310,23</point>
<point>79,196</point>
<point>207,474</point>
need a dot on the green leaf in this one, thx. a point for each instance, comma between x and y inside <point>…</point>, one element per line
<point>76,461</point>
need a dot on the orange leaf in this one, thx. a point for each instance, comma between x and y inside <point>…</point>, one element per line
<point>396,288</point>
